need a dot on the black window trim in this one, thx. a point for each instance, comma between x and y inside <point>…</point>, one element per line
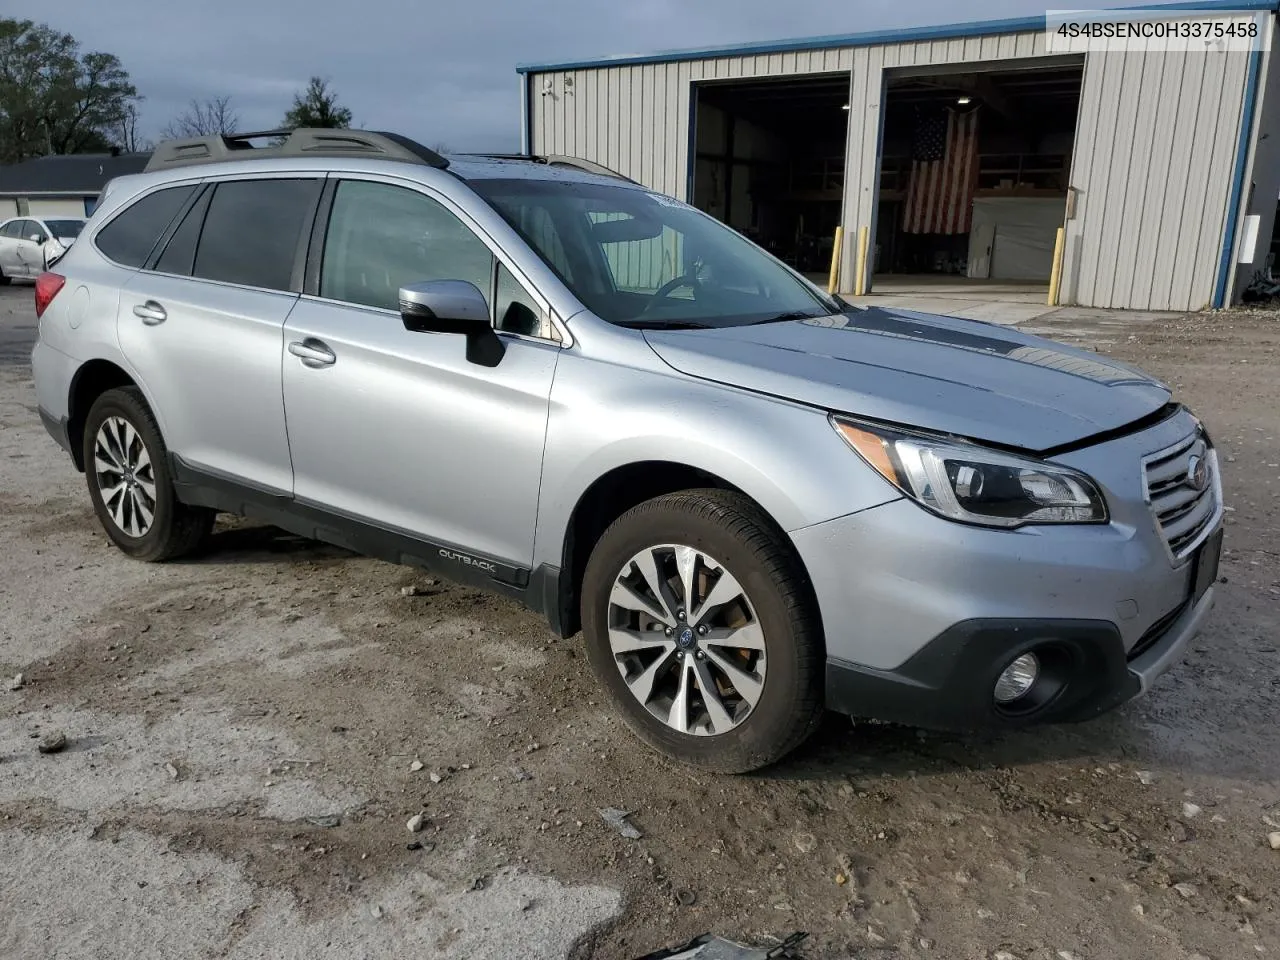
<point>130,204</point>
<point>206,186</point>
<point>149,265</point>
<point>320,229</point>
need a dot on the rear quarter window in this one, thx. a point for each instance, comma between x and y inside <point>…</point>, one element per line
<point>131,235</point>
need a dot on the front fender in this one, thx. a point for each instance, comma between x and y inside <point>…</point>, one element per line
<point>783,455</point>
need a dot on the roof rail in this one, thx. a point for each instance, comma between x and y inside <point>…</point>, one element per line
<point>302,142</point>
<point>556,160</point>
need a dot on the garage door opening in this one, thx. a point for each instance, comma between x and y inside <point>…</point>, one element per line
<point>974,178</point>
<point>769,160</point>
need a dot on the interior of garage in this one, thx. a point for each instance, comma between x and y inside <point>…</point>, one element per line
<point>770,162</point>
<point>974,178</point>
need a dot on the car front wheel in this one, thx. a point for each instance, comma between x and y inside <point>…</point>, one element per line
<point>701,623</point>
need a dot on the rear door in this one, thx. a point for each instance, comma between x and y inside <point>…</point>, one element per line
<point>203,325</point>
<point>9,248</point>
<point>31,251</point>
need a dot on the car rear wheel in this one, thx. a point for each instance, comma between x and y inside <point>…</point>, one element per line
<point>127,469</point>
<point>701,623</point>
<point>4,278</point>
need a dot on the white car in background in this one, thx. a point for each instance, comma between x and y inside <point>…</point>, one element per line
<point>29,244</point>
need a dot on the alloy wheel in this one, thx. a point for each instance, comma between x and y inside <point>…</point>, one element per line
<point>125,476</point>
<point>686,639</point>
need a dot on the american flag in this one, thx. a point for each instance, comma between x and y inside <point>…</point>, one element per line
<point>944,172</point>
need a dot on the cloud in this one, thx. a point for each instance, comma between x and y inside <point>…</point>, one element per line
<point>431,70</point>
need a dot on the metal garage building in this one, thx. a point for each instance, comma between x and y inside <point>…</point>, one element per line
<point>1158,163</point>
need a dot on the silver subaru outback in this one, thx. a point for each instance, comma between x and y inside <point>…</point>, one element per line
<point>536,376</point>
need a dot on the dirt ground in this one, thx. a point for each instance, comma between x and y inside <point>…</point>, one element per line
<point>243,729</point>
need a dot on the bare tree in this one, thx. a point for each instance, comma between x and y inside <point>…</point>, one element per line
<point>441,148</point>
<point>203,118</point>
<point>126,133</point>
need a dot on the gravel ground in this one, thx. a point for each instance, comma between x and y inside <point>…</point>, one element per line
<point>243,729</point>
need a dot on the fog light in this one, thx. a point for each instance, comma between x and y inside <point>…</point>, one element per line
<point>1018,678</point>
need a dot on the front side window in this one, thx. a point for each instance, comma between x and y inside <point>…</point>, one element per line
<point>129,238</point>
<point>252,230</point>
<point>382,237</point>
<point>641,259</point>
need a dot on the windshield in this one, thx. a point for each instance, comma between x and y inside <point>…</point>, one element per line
<point>641,259</point>
<point>65,229</point>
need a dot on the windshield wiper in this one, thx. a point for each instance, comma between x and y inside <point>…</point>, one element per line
<point>655,324</point>
<point>783,317</point>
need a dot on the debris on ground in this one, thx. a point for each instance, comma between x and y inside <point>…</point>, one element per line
<point>1274,840</point>
<point>416,823</point>
<point>326,822</point>
<point>376,912</point>
<point>805,842</point>
<point>416,766</point>
<point>686,898</point>
<point>172,770</point>
<point>519,774</point>
<point>1146,777</point>
<point>1190,810</point>
<point>618,820</point>
<point>710,947</point>
<point>17,682</point>
<point>436,778</point>
<point>1185,890</point>
<point>52,742</point>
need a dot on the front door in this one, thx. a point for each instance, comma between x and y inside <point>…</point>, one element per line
<point>398,428</point>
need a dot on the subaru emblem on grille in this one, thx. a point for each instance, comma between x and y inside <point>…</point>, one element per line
<point>1197,473</point>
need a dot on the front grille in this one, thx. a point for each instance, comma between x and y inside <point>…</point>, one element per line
<point>1183,513</point>
<point>1155,633</point>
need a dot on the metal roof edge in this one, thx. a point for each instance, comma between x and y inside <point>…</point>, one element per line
<point>946,31</point>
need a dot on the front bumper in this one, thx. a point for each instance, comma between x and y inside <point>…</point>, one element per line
<point>948,684</point>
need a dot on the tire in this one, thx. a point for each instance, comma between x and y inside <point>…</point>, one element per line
<point>727,534</point>
<point>174,529</point>
<point>4,278</point>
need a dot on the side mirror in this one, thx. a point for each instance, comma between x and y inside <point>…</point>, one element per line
<point>36,238</point>
<point>452,306</point>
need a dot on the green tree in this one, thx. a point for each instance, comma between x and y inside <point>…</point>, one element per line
<point>53,98</point>
<point>317,106</point>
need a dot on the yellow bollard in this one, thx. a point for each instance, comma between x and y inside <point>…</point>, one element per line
<point>864,240</point>
<point>1055,276</point>
<point>835,261</point>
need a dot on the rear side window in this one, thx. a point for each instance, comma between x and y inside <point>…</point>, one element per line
<point>129,238</point>
<point>251,231</point>
<point>12,229</point>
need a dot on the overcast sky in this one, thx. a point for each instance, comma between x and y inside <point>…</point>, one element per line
<point>431,70</point>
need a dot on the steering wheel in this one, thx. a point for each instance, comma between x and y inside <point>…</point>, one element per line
<point>670,287</point>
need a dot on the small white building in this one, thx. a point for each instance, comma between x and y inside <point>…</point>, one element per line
<point>61,186</point>
<point>958,150</point>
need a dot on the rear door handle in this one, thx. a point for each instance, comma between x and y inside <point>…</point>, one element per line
<point>313,353</point>
<point>150,313</point>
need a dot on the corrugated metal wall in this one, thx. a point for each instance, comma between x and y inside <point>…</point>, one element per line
<point>1155,148</point>
<point>1155,152</point>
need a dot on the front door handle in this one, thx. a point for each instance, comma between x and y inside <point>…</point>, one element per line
<point>313,353</point>
<point>150,313</point>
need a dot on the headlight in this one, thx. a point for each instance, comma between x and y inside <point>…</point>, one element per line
<point>966,482</point>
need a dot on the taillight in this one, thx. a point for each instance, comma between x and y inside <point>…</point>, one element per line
<point>47,287</point>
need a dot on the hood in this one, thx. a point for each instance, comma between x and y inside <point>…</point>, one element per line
<point>943,374</point>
